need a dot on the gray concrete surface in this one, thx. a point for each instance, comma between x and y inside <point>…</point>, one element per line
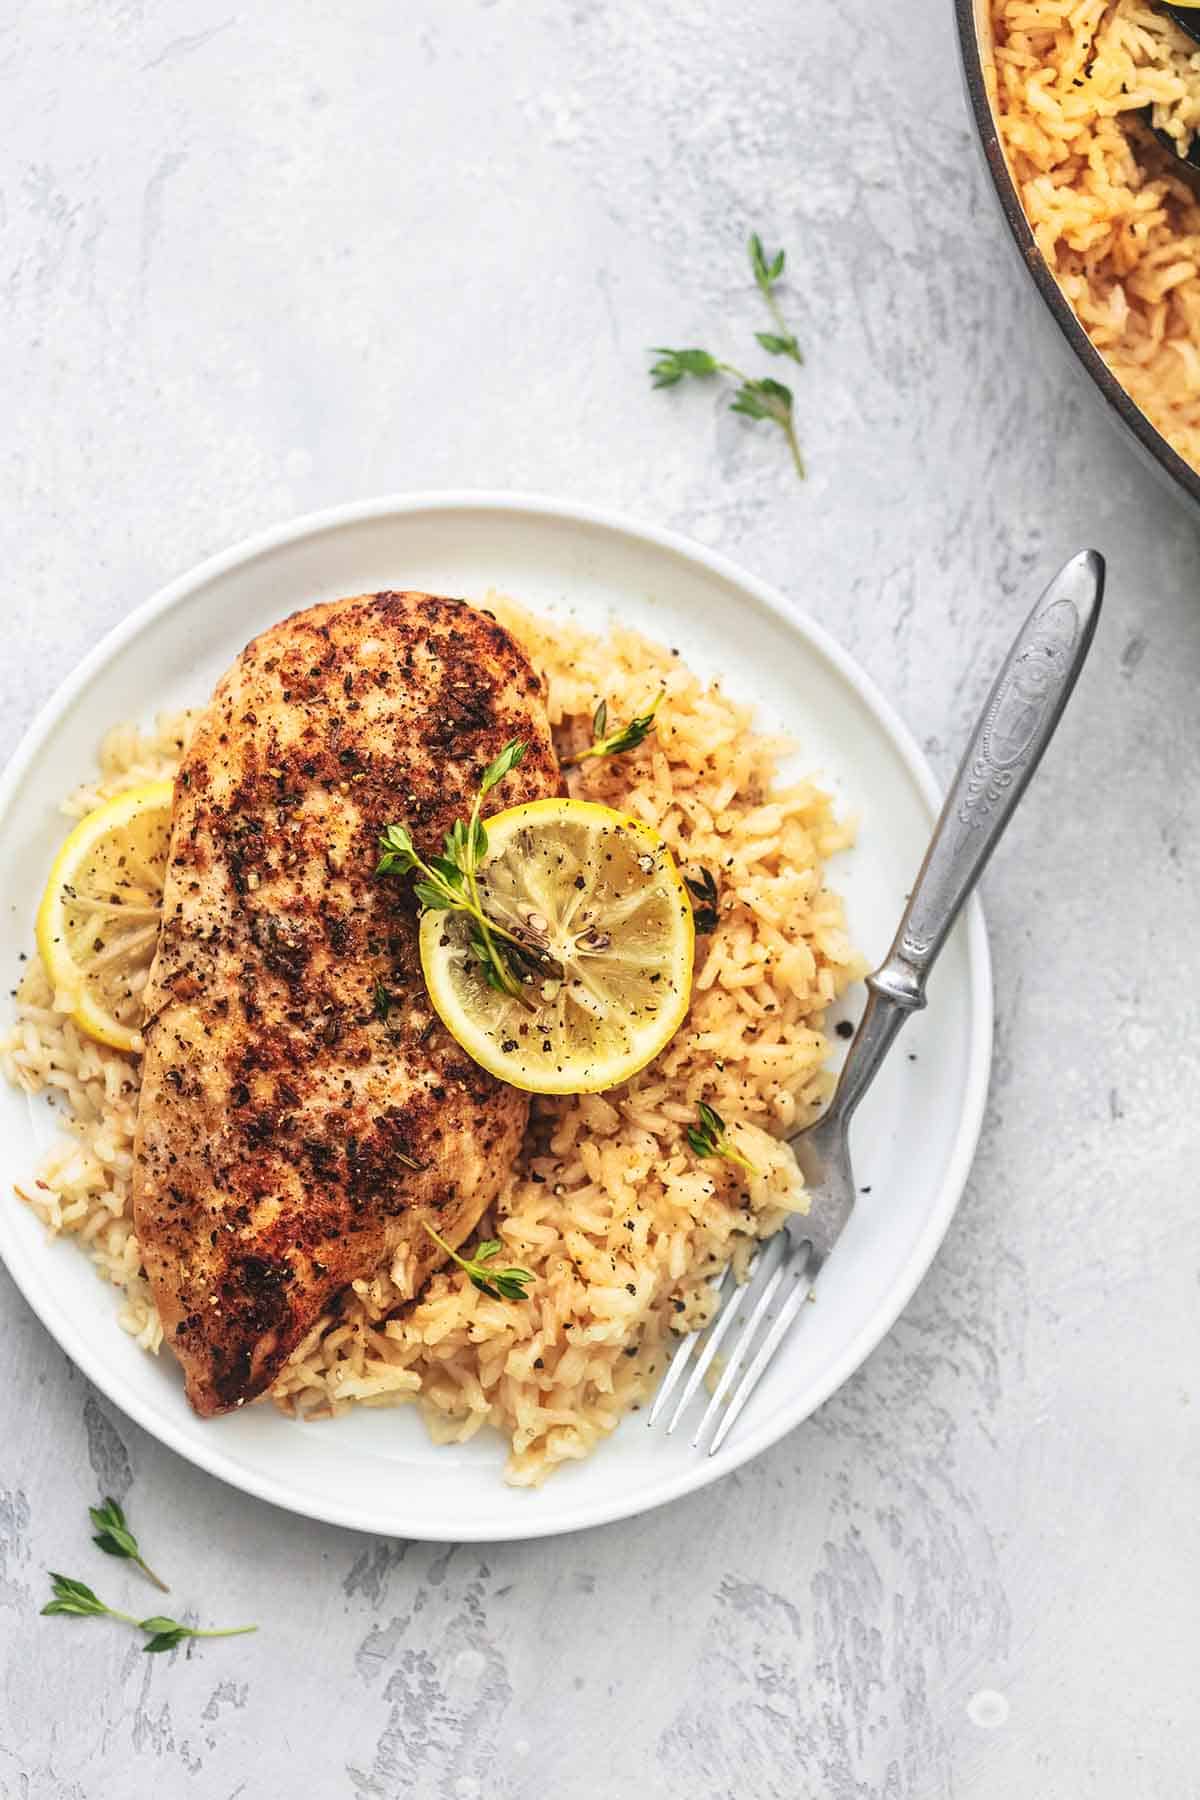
<point>255,260</point>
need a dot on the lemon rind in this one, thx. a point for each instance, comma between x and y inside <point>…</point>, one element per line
<point>65,975</point>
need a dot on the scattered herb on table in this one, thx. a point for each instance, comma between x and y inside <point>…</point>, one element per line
<point>711,1138</point>
<point>77,1600</point>
<point>767,272</point>
<point>623,738</point>
<point>450,883</point>
<point>499,1284</point>
<point>705,894</point>
<point>114,1537</point>
<point>756,397</point>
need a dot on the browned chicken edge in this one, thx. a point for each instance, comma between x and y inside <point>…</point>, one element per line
<point>290,1139</point>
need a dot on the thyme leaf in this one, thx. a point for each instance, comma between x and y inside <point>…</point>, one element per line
<point>768,271</point>
<point>73,1597</point>
<point>710,1137</point>
<point>498,1284</point>
<point>673,365</point>
<point>114,1537</point>
<point>509,757</point>
<point>705,895</point>
<point>624,738</point>
<point>449,883</point>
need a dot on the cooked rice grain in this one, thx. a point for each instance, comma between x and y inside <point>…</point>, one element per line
<point>620,1223</point>
<point>1119,229</point>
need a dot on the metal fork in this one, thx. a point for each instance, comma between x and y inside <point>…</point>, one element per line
<point>1017,722</point>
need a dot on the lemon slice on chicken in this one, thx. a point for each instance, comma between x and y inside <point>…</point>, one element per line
<point>596,900</point>
<point>97,925</point>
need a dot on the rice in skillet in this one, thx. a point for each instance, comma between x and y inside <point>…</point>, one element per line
<point>620,1223</point>
<point>1119,228</point>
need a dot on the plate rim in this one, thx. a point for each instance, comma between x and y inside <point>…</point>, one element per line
<point>750,1442</point>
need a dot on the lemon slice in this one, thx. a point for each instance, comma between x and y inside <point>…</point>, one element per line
<point>598,894</point>
<point>97,925</point>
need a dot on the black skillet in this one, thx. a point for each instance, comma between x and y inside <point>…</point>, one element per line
<point>1188,19</point>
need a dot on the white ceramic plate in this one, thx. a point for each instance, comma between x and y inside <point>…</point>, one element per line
<point>914,1136</point>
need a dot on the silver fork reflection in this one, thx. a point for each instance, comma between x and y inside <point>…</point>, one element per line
<point>1017,722</point>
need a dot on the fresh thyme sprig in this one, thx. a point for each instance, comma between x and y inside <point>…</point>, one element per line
<point>114,1537</point>
<point>756,397</point>
<point>624,738</point>
<point>705,895</point>
<point>450,883</point>
<point>498,1284</point>
<point>711,1138</point>
<point>77,1600</point>
<point>768,271</point>
<point>763,398</point>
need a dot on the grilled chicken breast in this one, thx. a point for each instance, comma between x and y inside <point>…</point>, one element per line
<point>302,1109</point>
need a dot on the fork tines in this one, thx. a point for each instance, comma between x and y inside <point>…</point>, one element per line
<point>779,1285</point>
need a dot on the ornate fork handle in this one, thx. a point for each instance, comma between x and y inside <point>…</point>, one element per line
<point>1018,722</point>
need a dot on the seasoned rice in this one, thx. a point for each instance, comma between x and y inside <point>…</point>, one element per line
<point>620,1223</point>
<point>1120,230</point>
